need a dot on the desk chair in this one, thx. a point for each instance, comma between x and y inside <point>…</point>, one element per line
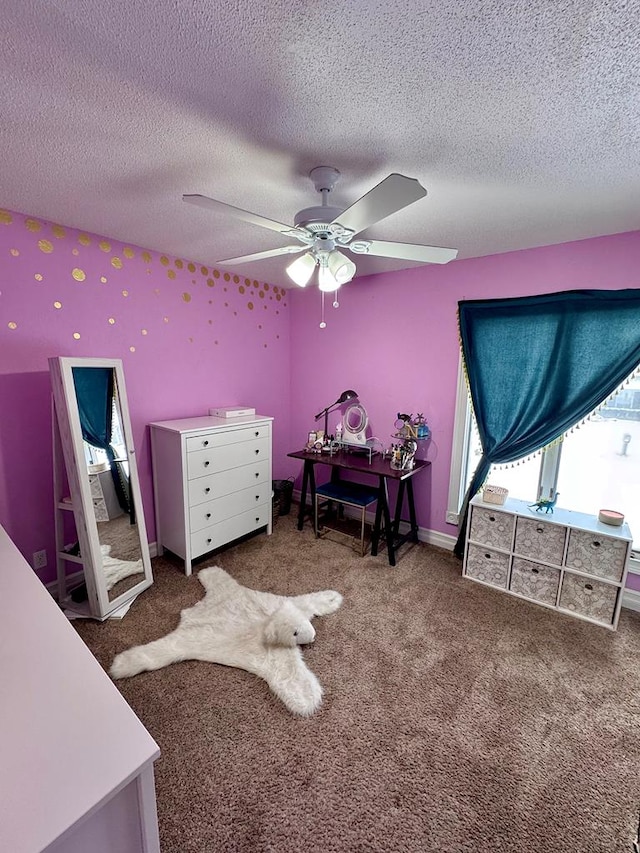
<point>354,495</point>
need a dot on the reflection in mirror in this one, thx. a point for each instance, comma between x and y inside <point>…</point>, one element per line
<point>94,429</point>
<point>108,470</point>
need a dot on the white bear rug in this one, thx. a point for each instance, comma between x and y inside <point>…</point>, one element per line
<point>236,626</point>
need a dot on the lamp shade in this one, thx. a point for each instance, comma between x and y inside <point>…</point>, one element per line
<point>341,267</point>
<point>301,270</point>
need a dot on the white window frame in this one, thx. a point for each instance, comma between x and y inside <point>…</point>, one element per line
<point>462,422</point>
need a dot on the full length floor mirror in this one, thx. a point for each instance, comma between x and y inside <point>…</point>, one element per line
<point>93,428</point>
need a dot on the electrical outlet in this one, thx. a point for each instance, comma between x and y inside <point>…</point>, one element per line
<point>39,559</point>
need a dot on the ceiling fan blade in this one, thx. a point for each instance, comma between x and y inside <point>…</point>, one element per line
<point>405,251</point>
<point>389,196</point>
<point>258,256</point>
<point>245,215</point>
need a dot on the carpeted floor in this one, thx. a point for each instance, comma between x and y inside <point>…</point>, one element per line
<point>455,718</point>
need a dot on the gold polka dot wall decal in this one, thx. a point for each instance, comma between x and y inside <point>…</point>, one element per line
<point>103,279</point>
<point>58,232</point>
<point>261,294</point>
<point>144,331</point>
<point>211,322</point>
<point>132,349</point>
<point>193,281</point>
<point>216,273</point>
<point>76,336</point>
<point>57,304</point>
<point>78,274</point>
<point>250,306</point>
<point>45,246</point>
<point>190,340</point>
<point>227,277</point>
<point>75,251</point>
<point>5,217</point>
<point>112,321</point>
<point>191,267</point>
<point>266,287</point>
<point>116,263</point>
<point>104,246</point>
<point>171,274</point>
<point>32,225</point>
<point>38,277</point>
<point>247,281</point>
<point>166,319</point>
<point>186,297</point>
<point>164,260</point>
<point>236,279</point>
<point>146,257</point>
<point>84,239</point>
<point>128,252</point>
<point>204,271</point>
<point>12,325</point>
<point>210,282</point>
<point>179,264</point>
<point>278,297</point>
<point>125,292</point>
<point>255,283</point>
<point>14,252</point>
<point>241,289</point>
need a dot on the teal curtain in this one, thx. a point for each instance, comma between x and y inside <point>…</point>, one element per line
<point>94,387</point>
<point>537,365</point>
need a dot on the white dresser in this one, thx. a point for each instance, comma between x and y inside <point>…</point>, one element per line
<point>568,561</point>
<point>211,481</point>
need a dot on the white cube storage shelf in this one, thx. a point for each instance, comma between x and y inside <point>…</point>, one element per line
<point>568,561</point>
<point>211,481</point>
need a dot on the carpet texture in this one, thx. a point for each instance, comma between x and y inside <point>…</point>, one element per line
<point>235,626</point>
<point>454,718</point>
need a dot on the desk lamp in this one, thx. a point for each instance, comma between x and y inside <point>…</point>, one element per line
<point>346,395</point>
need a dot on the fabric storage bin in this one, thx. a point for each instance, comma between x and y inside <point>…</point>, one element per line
<point>540,539</point>
<point>486,565</point>
<point>492,527</point>
<point>602,556</point>
<point>534,581</point>
<point>587,597</point>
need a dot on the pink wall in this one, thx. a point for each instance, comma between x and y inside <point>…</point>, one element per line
<point>394,340</point>
<point>189,338</point>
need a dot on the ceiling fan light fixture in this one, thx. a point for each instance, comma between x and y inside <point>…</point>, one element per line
<point>341,267</point>
<point>326,280</point>
<point>301,270</point>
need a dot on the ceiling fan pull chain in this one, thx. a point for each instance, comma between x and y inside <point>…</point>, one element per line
<point>323,325</point>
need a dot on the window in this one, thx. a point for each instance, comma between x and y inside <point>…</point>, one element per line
<point>596,466</point>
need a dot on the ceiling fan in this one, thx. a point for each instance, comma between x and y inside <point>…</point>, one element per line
<point>323,231</point>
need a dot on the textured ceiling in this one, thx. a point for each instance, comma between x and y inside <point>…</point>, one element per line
<point>522,120</point>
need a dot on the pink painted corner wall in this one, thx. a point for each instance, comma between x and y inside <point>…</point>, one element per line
<point>190,337</point>
<point>394,340</point>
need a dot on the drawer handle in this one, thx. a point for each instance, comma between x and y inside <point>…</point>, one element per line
<point>207,463</point>
<point>492,518</point>
<point>207,490</point>
<point>205,443</point>
<point>257,451</point>
<point>488,556</point>
<point>257,474</point>
<point>596,544</point>
<point>535,571</point>
<point>208,541</point>
<point>257,433</point>
<point>588,587</point>
<point>257,518</point>
<point>208,515</point>
<point>539,529</point>
<point>257,497</point>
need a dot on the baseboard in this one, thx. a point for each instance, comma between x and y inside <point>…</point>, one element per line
<point>631,599</point>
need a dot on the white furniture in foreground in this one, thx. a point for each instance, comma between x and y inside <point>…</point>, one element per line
<point>76,764</point>
<point>568,561</point>
<point>211,482</point>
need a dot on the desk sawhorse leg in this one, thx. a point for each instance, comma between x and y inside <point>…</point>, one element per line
<point>392,535</point>
<point>308,482</point>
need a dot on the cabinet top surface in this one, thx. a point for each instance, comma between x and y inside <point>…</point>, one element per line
<point>196,425</point>
<point>564,517</point>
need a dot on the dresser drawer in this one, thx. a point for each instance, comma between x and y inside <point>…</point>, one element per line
<point>211,512</point>
<point>587,597</point>
<point>491,527</point>
<point>222,439</point>
<point>203,462</point>
<point>487,565</point>
<point>540,539</point>
<point>216,485</point>
<point>602,556</point>
<point>226,531</point>
<point>534,581</point>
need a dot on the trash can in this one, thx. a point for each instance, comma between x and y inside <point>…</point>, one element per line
<point>282,494</point>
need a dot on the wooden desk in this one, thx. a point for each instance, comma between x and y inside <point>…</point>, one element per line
<point>377,467</point>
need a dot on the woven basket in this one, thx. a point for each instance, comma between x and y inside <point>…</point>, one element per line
<point>494,495</point>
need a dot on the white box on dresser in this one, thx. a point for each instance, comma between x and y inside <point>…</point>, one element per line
<point>211,482</point>
<point>568,561</point>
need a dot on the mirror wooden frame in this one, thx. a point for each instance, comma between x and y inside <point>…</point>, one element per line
<point>67,418</point>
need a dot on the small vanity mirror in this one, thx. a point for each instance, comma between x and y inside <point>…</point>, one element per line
<point>95,438</point>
